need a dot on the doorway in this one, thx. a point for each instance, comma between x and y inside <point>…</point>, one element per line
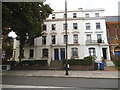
<point>104,53</point>
<point>56,54</point>
<point>62,51</point>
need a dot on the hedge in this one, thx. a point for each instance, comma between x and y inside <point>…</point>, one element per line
<point>12,63</point>
<point>34,62</point>
<point>26,62</point>
<point>79,61</point>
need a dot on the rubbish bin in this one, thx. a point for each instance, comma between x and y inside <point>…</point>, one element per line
<point>95,66</point>
<point>101,65</point>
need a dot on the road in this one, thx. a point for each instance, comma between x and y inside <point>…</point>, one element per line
<point>54,82</point>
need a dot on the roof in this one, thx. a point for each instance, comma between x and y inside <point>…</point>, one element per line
<point>112,18</point>
<point>80,10</point>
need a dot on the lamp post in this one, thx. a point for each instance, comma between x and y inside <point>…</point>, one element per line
<point>66,37</point>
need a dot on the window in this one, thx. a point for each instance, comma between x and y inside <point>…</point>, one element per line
<point>74,52</point>
<point>96,14</point>
<point>22,54</point>
<point>86,15</point>
<point>75,38</point>
<point>87,25</point>
<point>53,39</point>
<point>74,15</point>
<point>45,53</point>
<point>44,27</point>
<point>64,26</point>
<point>43,40</point>
<point>53,26</point>
<point>88,37</point>
<point>97,25</point>
<point>65,16</point>
<point>99,38</point>
<point>92,52</point>
<point>74,25</point>
<point>31,54</point>
<point>65,38</point>
<point>53,16</point>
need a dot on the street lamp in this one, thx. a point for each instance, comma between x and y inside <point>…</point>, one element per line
<point>66,63</point>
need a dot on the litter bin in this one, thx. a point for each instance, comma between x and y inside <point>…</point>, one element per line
<point>95,66</point>
<point>101,65</point>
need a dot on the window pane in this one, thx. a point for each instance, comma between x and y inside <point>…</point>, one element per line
<point>53,26</point>
<point>74,25</point>
<point>43,39</point>
<point>45,53</point>
<point>53,16</point>
<point>96,14</point>
<point>92,52</point>
<point>87,25</point>
<point>44,27</point>
<point>74,52</point>
<point>87,15</point>
<point>75,38</point>
<point>65,26</point>
<point>74,15</point>
<point>65,38</point>
<point>31,54</point>
<point>97,25</point>
<point>53,39</point>
<point>88,37</point>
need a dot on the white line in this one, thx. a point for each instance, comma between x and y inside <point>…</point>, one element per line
<point>26,86</point>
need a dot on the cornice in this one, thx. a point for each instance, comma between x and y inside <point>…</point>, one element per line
<point>79,18</point>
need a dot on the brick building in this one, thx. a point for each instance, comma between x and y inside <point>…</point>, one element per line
<point>113,34</point>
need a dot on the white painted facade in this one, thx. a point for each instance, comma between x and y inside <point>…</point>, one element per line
<point>83,46</point>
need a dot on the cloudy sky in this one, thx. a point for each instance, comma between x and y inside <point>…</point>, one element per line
<point>110,6</point>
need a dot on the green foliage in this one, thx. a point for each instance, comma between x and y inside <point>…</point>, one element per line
<point>8,51</point>
<point>93,58</point>
<point>25,19</point>
<point>12,63</point>
<point>117,64</point>
<point>34,62</point>
<point>79,61</point>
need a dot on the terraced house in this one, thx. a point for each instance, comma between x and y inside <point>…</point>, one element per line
<point>86,37</point>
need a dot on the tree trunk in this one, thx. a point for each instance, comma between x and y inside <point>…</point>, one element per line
<point>22,44</point>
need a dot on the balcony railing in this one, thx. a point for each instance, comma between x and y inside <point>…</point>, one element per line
<point>94,41</point>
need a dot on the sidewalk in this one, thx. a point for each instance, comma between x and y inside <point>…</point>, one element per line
<point>61,73</point>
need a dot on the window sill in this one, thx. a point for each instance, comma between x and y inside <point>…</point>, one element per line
<point>74,57</point>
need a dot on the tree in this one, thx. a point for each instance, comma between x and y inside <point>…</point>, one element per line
<point>25,19</point>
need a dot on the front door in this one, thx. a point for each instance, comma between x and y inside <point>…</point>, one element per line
<point>56,54</point>
<point>104,53</point>
<point>62,51</point>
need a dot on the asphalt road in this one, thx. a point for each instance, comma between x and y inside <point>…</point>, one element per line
<point>76,83</point>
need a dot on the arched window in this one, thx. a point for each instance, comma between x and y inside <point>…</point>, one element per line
<point>53,16</point>
<point>74,15</point>
<point>117,51</point>
<point>92,52</point>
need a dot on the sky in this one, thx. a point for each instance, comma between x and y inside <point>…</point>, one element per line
<point>110,6</point>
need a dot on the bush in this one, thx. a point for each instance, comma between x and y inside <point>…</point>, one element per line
<point>12,63</point>
<point>34,62</point>
<point>93,58</point>
<point>79,61</point>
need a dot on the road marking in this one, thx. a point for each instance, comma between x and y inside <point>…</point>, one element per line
<point>26,86</point>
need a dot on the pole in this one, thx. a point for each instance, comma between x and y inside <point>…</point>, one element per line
<point>66,37</point>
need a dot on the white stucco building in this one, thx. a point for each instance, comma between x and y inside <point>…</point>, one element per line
<point>86,37</point>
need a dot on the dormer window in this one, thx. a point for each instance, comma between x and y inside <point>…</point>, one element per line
<point>74,15</point>
<point>87,15</point>
<point>53,16</point>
